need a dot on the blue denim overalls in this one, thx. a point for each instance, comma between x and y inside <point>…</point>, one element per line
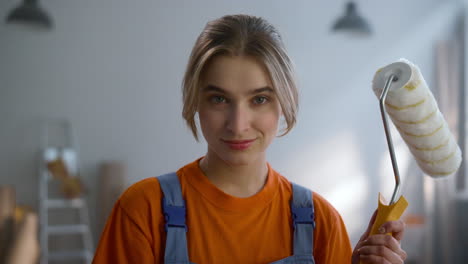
<point>302,211</point>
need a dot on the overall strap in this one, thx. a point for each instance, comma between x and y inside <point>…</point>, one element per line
<point>174,213</point>
<point>302,211</point>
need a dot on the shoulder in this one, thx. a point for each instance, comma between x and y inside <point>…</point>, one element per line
<point>324,210</point>
<point>332,244</point>
<point>146,193</point>
<point>140,190</point>
<point>141,197</point>
<point>326,216</point>
<point>329,223</point>
<point>323,206</point>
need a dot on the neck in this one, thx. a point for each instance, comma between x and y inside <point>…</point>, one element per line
<point>237,180</point>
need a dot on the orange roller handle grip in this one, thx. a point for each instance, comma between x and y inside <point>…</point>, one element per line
<point>387,213</point>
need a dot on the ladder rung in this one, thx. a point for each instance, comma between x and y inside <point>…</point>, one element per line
<point>67,229</point>
<point>64,203</point>
<point>61,255</point>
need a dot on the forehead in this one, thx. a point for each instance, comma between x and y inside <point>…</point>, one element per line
<point>235,73</point>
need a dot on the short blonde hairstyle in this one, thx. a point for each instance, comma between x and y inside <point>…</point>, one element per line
<point>241,35</point>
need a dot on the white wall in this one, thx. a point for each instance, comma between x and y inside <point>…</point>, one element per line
<point>114,68</point>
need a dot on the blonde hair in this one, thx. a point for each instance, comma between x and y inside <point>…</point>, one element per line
<point>241,35</point>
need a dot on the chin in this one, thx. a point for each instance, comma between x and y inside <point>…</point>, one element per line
<point>236,158</point>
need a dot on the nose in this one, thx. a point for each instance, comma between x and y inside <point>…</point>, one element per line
<point>238,119</point>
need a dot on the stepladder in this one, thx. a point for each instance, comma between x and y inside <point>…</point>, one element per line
<point>65,233</point>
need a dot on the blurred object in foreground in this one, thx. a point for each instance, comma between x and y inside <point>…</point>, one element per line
<point>18,230</point>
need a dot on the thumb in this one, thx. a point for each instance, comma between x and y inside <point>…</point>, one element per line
<point>355,257</point>
<point>369,227</point>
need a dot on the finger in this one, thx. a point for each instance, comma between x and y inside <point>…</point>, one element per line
<point>364,235</point>
<point>363,238</point>
<point>369,226</point>
<point>379,242</point>
<point>375,259</point>
<point>380,253</point>
<point>383,252</point>
<point>397,228</point>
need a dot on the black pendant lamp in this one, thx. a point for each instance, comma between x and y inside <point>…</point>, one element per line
<point>352,22</point>
<point>31,14</point>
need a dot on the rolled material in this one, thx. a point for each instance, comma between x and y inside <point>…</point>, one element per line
<point>112,183</point>
<point>7,202</point>
<point>7,220</point>
<point>25,248</point>
<point>414,111</point>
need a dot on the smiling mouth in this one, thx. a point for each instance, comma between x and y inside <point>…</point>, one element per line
<point>239,144</point>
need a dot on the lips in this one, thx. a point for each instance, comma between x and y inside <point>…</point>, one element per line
<point>239,144</point>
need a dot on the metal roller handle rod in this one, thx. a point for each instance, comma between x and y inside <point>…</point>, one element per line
<point>389,136</point>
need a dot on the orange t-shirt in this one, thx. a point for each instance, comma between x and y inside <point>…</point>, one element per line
<point>221,228</point>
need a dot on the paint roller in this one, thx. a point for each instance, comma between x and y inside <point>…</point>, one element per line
<point>404,96</point>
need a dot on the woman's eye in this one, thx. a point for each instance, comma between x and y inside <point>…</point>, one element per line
<point>217,99</point>
<point>260,99</point>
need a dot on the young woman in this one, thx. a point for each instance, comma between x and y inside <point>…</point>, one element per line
<point>230,206</point>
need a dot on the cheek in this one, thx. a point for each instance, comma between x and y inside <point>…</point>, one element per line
<point>269,123</point>
<point>210,121</point>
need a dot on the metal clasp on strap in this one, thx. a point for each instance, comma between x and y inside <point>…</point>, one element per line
<point>303,215</point>
<point>174,215</point>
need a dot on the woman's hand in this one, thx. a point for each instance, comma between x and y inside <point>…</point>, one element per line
<point>381,248</point>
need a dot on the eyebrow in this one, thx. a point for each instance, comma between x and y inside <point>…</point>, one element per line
<point>214,88</point>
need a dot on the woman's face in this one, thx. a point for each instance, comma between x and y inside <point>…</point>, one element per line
<point>238,110</point>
